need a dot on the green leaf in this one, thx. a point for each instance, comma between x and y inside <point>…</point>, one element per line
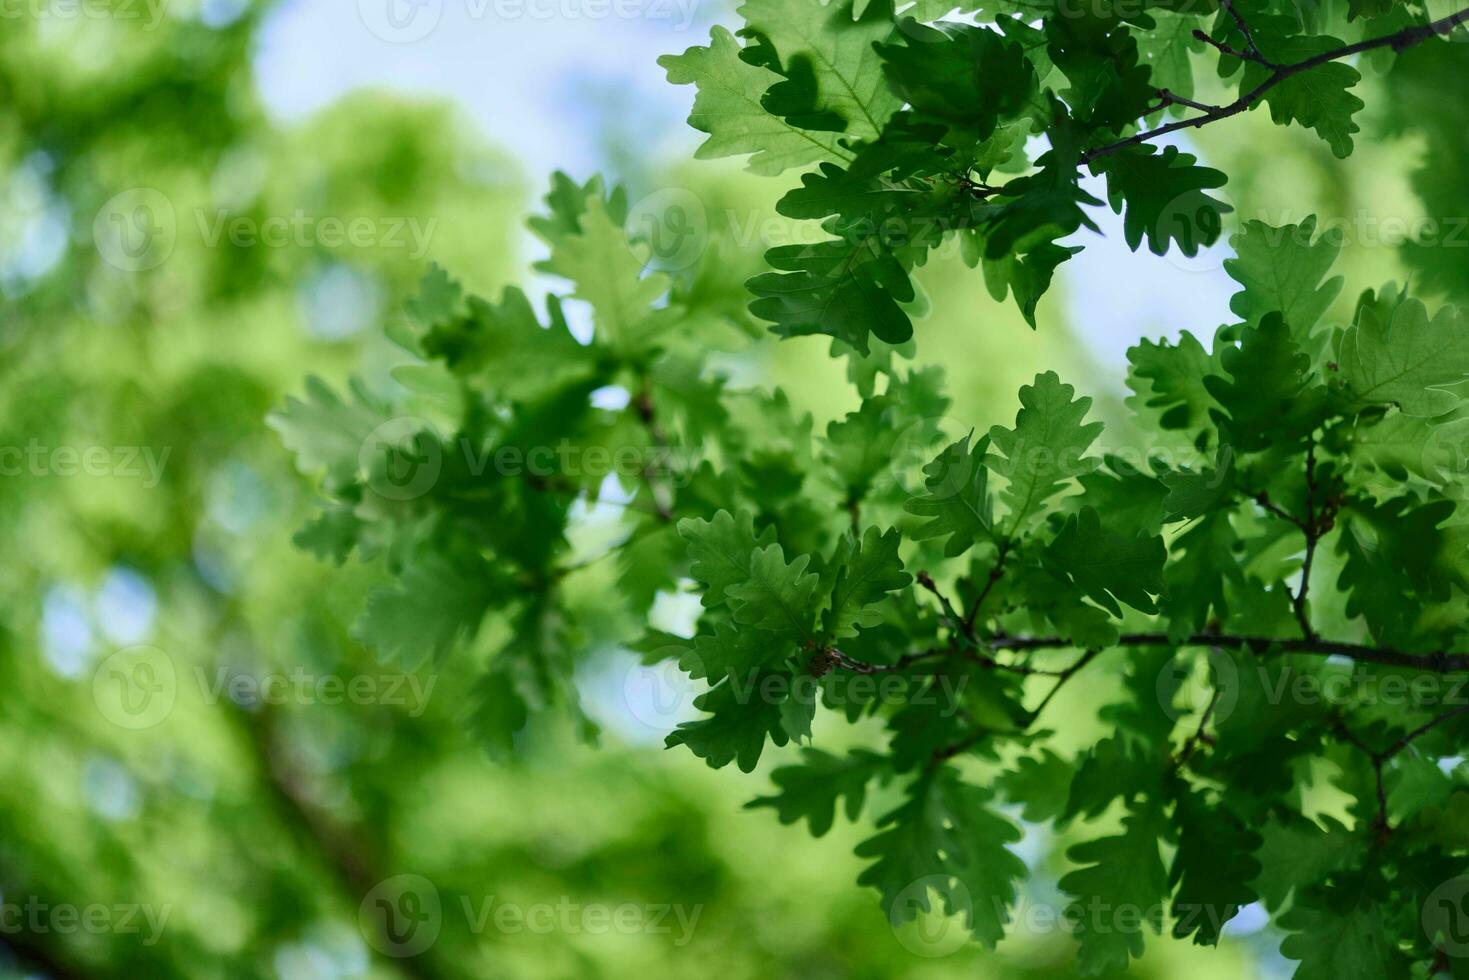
<point>840,50</point>
<point>1339,933</point>
<point>1296,854</point>
<point>956,500</point>
<point>1317,99</point>
<point>946,839</point>
<point>729,109</point>
<point>961,78</point>
<point>607,270</point>
<point>1408,360</point>
<point>860,446</point>
<point>850,290</point>
<point>1121,888</point>
<point>1164,194</point>
<point>1264,398</point>
<point>741,719</point>
<point>1283,270</point>
<point>776,595</point>
<point>1193,495</point>
<point>497,713</point>
<point>1039,785</point>
<point>1212,868</point>
<point>427,609</point>
<point>1393,551</point>
<point>1168,380</point>
<point>720,551</point>
<point>867,571</point>
<point>1045,448</point>
<point>327,432</point>
<point>1107,566</point>
<point>812,790</point>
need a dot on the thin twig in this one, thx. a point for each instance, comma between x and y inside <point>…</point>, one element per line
<point>1064,676</point>
<point>996,570</point>
<point>1192,744</point>
<point>1313,534</point>
<point>1263,499</point>
<point>644,407</point>
<point>1437,662</point>
<point>1406,38</point>
<point>1168,97</point>
<point>835,657</point>
<point>926,580</point>
<point>1251,47</point>
<point>1380,758</point>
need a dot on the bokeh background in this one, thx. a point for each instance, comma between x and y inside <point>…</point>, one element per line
<point>243,829</point>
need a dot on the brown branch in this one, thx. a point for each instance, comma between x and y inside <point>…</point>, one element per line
<point>1406,38</point>
<point>1192,744</point>
<point>1167,97</point>
<point>643,405</point>
<point>1437,662</point>
<point>1251,48</point>
<point>997,570</point>
<point>1064,676</point>
<point>835,658</point>
<point>1380,758</point>
<point>345,851</point>
<point>1313,532</point>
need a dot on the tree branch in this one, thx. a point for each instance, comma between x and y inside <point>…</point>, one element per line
<point>1406,38</point>
<point>1313,534</point>
<point>643,404</point>
<point>1380,758</point>
<point>1437,662</point>
<point>997,570</point>
<point>1253,49</point>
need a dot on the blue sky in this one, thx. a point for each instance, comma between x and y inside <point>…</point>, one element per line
<point>548,79</point>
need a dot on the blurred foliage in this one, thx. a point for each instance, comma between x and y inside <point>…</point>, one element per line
<point>252,833</point>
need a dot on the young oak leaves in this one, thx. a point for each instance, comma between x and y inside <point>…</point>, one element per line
<point>924,129</point>
<point>1299,503</point>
